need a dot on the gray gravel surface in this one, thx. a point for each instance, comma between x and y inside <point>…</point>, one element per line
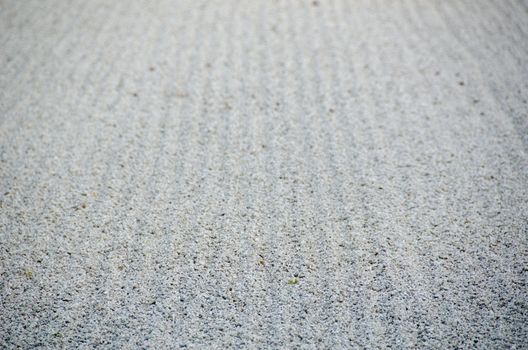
<point>263,174</point>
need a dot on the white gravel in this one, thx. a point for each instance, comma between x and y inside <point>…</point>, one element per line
<point>263,174</point>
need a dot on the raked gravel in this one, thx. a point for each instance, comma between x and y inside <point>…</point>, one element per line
<point>263,174</point>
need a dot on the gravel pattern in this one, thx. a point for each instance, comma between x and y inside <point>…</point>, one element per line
<point>263,174</point>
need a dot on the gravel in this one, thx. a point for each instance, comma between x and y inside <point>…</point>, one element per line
<point>263,174</point>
